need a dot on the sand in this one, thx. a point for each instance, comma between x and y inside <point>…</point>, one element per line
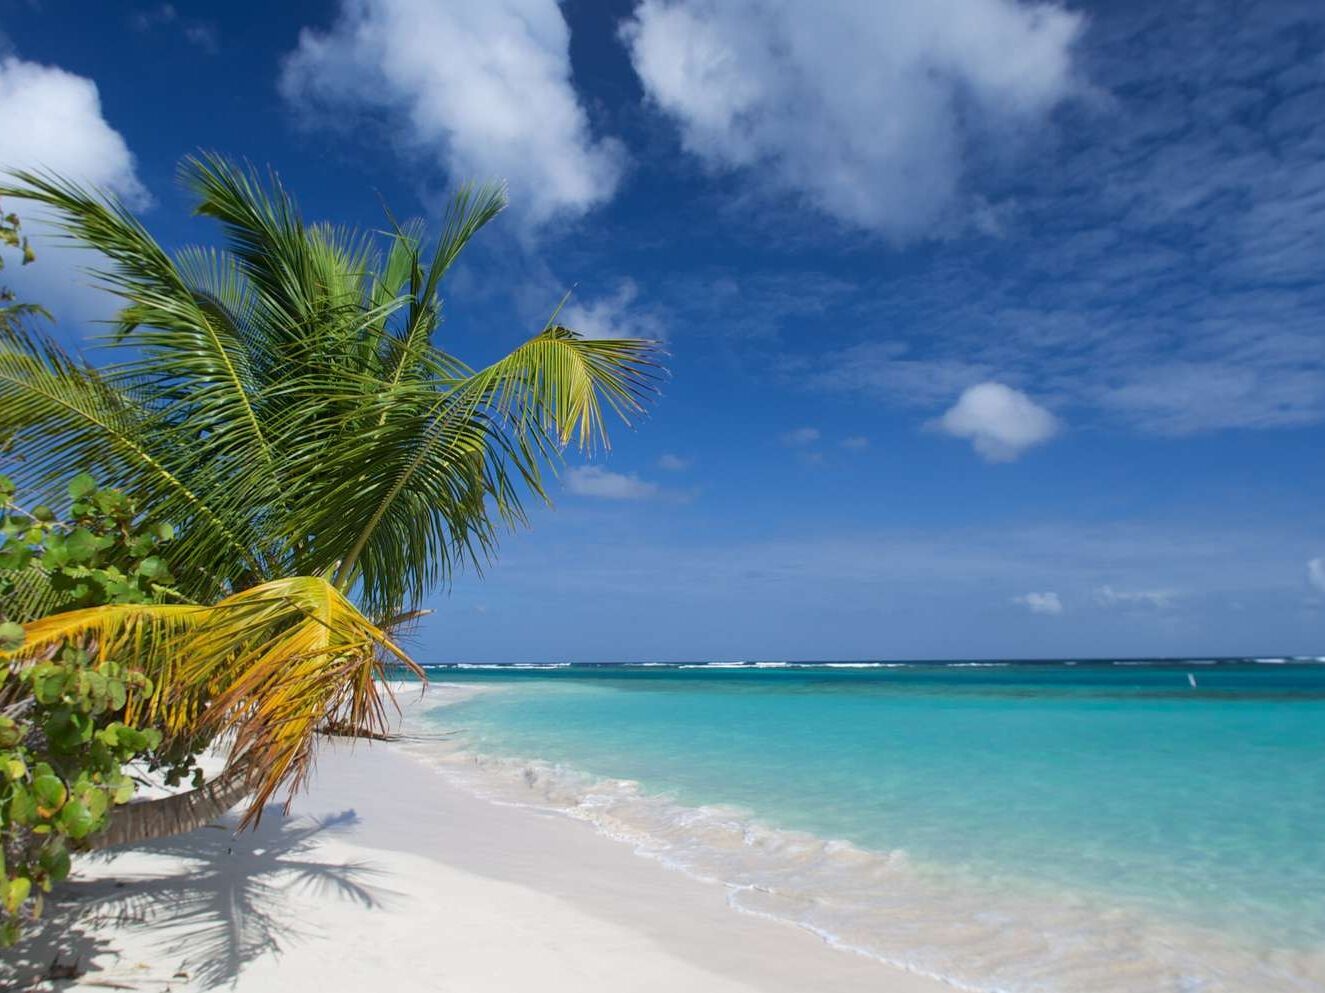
<point>386,876</point>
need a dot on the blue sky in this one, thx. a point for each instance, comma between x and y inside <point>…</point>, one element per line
<point>996,328</point>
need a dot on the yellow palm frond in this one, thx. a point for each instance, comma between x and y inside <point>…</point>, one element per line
<point>142,635</point>
<point>267,666</point>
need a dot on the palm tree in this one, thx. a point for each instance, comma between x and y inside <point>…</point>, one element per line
<point>282,400</point>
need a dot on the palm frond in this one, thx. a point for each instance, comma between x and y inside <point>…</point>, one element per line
<point>312,281</point>
<point>557,382</point>
<point>267,666</point>
<point>470,444</point>
<point>26,594</point>
<point>57,412</point>
<point>470,209</point>
<point>190,357</point>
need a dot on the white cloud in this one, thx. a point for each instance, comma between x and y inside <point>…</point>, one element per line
<point>888,370</point>
<point>617,315</point>
<point>673,463</point>
<point>1040,603</point>
<point>201,33</point>
<point>595,481</point>
<point>52,120</point>
<point>483,87</point>
<point>866,110</point>
<point>1000,422</point>
<point>800,437</point>
<point>1316,573</point>
<point>856,443</point>
<point>1107,596</point>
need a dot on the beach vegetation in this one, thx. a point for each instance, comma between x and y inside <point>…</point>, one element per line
<point>66,730</point>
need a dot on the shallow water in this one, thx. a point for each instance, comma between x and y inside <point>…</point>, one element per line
<point>1073,827</point>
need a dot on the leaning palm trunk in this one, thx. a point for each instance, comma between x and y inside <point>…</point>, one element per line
<point>180,813</point>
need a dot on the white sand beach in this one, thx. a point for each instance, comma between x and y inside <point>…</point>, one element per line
<point>385,876</point>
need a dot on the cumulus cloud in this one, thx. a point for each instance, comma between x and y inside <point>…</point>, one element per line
<point>865,110</point>
<point>595,481</point>
<point>1316,573</point>
<point>1107,596</point>
<point>51,119</point>
<point>1000,422</point>
<point>481,87</point>
<point>1040,603</point>
<point>616,315</point>
<point>800,437</point>
<point>673,463</point>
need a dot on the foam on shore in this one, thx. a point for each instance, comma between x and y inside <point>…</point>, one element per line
<point>387,877</point>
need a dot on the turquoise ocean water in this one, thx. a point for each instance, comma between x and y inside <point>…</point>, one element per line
<point>1073,827</point>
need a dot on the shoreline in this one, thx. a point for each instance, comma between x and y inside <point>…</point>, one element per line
<point>385,873</point>
<point>927,920</point>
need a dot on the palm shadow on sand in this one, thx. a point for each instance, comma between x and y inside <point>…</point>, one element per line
<point>223,908</point>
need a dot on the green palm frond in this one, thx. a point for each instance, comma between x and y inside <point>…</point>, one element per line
<point>27,594</point>
<point>191,364</point>
<point>473,442</point>
<point>61,415</point>
<point>470,209</point>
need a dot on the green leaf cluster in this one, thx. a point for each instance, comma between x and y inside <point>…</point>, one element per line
<point>104,552</point>
<point>64,740</point>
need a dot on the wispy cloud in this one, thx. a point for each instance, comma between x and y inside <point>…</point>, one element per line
<point>1316,573</point>
<point>478,91</point>
<point>1107,596</point>
<point>855,443</point>
<point>618,314</point>
<point>673,463</point>
<point>950,560</point>
<point>800,437</point>
<point>757,307</point>
<point>201,33</point>
<point>595,481</point>
<point>813,582</point>
<point>1157,270</point>
<point>888,370</point>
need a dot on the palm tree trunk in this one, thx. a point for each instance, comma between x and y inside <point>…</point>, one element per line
<point>146,820</point>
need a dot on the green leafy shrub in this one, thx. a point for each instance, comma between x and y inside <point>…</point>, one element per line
<point>64,743</point>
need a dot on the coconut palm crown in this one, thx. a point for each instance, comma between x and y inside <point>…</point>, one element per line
<point>282,399</point>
